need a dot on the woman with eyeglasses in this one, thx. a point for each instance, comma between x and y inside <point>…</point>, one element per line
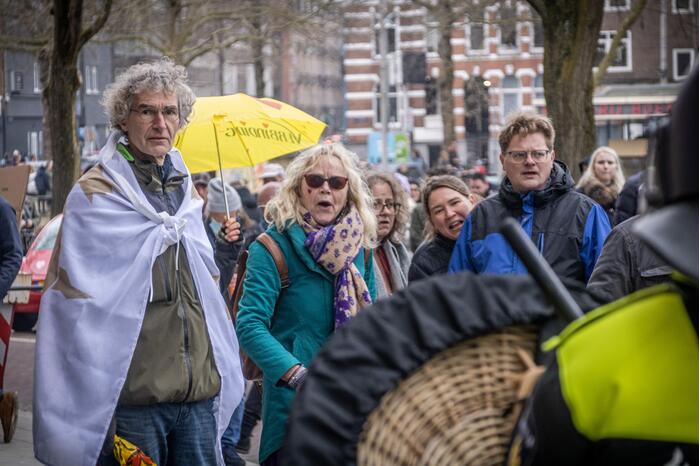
<point>323,223</point>
<point>447,202</point>
<point>391,258</point>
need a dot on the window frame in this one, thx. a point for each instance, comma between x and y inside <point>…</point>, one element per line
<point>516,91</point>
<point>626,42</point>
<point>675,53</point>
<point>37,78</point>
<point>681,11</point>
<point>608,8</point>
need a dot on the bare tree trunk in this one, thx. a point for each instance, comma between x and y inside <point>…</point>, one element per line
<point>43,57</point>
<point>446,75</point>
<point>571,37</point>
<point>257,48</point>
<point>69,36</point>
<point>63,84</point>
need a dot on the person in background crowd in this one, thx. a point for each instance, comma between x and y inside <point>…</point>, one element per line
<point>226,254</point>
<point>603,179</point>
<point>391,259</point>
<point>42,180</point>
<point>478,184</point>
<point>153,356</point>
<point>265,195</point>
<point>416,164</point>
<point>322,221</point>
<point>250,203</point>
<point>628,200</point>
<point>567,227</point>
<point>10,261</point>
<point>447,203</point>
<point>272,172</point>
<point>201,185</point>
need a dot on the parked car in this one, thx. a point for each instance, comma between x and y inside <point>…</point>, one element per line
<point>36,263</point>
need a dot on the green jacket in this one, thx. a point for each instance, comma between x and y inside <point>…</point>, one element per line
<point>303,321</point>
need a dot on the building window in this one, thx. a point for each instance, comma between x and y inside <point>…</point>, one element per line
<point>34,143</point>
<point>681,7</point>
<point>476,37</point>
<point>393,106</point>
<point>683,60</point>
<point>432,35</point>
<point>617,5</point>
<point>37,78</point>
<point>476,106</point>
<point>390,35</point>
<point>91,80</point>
<point>16,81</point>
<point>508,28</point>
<point>539,86</point>
<point>538,31</point>
<point>622,61</point>
<point>510,95</point>
<point>432,101</point>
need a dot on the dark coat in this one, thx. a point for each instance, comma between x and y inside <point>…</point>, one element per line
<point>567,227</point>
<point>431,258</point>
<point>603,195</point>
<point>10,247</point>
<point>626,205</point>
<point>626,265</point>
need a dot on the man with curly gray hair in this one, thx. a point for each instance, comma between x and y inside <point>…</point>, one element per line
<point>152,354</point>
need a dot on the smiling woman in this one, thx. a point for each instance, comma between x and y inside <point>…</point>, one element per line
<point>323,223</point>
<point>447,201</point>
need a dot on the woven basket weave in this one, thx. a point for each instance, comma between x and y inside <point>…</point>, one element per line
<point>459,408</point>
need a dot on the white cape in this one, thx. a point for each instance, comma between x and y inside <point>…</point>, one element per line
<point>92,310</point>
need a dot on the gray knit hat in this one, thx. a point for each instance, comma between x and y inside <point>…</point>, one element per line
<point>215,198</point>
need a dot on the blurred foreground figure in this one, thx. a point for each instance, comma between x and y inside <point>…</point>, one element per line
<point>624,386</point>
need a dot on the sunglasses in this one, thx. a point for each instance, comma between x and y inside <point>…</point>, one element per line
<point>334,182</point>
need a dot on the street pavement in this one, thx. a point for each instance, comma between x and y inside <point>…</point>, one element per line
<point>19,376</point>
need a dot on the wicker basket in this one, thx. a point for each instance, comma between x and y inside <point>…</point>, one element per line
<point>459,408</point>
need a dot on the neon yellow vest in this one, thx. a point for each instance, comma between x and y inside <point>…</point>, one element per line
<point>630,369</point>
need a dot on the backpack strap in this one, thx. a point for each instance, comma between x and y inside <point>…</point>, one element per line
<point>367,252</point>
<point>274,249</point>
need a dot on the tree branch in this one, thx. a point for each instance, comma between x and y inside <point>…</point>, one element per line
<point>95,27</point>
<point>621,32</point>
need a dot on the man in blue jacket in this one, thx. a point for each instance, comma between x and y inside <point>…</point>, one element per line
<point>567,227</point>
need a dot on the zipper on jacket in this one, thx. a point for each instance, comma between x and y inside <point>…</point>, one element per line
<point>186,338</point>
<point>166,280</point>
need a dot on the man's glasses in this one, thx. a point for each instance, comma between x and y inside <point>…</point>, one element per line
<point>334,182</point>
<point>147,114</point>
<point>519,156</point>
<point>390,205</point>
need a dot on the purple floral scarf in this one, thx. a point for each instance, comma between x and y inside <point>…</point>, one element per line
<point>334,247</point>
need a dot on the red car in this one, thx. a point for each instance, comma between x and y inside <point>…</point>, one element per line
<point>36,263</point>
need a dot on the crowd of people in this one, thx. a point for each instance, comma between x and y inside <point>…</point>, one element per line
<point>349,236</point>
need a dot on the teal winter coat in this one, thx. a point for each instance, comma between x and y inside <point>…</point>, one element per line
<point>302,323</point>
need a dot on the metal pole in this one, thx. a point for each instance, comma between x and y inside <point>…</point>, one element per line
<point>384,82</point>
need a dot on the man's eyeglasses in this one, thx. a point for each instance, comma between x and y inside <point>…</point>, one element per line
<point>334,182</point>
<point>147,114</point>
<point>519,156</point>
<point>390,205</point>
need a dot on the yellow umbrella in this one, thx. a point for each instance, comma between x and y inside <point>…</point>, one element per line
<point>241,131</point>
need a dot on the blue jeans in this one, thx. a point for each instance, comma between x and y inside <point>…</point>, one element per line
<point>171,434</point>
<point>233,431</point>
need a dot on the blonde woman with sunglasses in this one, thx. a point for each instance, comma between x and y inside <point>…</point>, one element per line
<point>322,221</point>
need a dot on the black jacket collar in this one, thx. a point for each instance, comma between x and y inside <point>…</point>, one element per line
<point>560,182</point>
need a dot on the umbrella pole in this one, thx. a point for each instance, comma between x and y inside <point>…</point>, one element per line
<point>221,170</point>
